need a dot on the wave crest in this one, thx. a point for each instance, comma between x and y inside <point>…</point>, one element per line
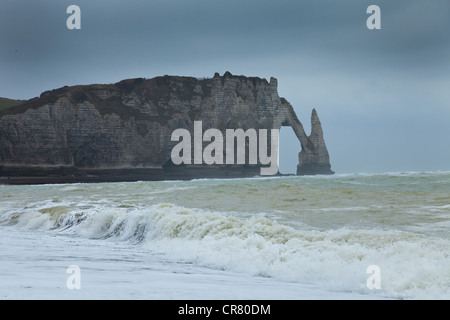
<point>257,245</point>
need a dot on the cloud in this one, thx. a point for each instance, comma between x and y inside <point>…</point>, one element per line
<point>321,52</point>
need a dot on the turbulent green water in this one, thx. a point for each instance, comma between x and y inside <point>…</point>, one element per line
<point>323,230</point>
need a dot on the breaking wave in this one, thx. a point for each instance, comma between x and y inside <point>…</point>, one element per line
<point>336,259</point>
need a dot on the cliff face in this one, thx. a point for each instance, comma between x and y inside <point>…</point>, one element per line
<point>95,130</point>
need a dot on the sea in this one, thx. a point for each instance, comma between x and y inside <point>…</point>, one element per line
<point>346,236</point>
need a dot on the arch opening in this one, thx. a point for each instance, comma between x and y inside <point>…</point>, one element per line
<point>289,147</point>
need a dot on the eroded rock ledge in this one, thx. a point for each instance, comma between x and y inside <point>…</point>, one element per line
<point>122,131</point>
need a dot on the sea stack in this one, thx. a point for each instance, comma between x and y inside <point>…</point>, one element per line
<point>122,131</point>
<point>314,158</point>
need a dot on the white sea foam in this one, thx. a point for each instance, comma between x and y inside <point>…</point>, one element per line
<point>335,259</point>
<point>318,232</point>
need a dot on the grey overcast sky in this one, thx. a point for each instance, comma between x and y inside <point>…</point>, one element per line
<point>383,96</point>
